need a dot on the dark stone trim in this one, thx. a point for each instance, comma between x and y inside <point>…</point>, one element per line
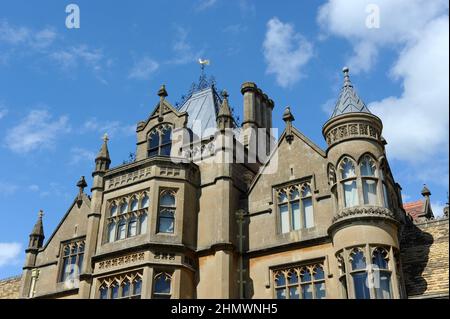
<point>216,247</point>
<point>288,246</point>
<point>180,248</point>
<point>262,212</point>
<point>57,294</point>
<point>94,215</point>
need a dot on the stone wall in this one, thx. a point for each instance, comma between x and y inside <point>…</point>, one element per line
<point>424,254</point>
<point>9,288</point>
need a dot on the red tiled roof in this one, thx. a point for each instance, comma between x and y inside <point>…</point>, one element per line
<point>414,209</point>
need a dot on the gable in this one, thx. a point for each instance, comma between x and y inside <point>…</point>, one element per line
<point>72,225</point>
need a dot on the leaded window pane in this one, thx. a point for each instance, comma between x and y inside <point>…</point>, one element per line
<point>115,292</point>
<point>103,293</point>
<point>307,292</point>
<point>360,285</point>
<point>350,193</point>
<point>167,200</point>
<point>121,229</point>
<point>281,293</point>
<point>143,223</point>
<point>379,258</point>
<point>348,169</point>
<point>132,227</point>
<point>384,289</point>
<point>125,289</point>
<point>367,167</point>
<point>134,204</point>
<point>308,213</point>
<point>295,206</point>
<point>137,287</point>
<point>145,201</point>
<point>369,191</point>
<point>294,293</point>
<point>320,290</point>
<point>358,260</point>
<point>111,231</point>
<point>284,214</point>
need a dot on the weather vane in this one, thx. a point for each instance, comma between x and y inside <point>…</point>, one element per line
<point>203,63</point>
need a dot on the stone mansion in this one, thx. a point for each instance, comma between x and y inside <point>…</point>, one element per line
<point>213,208</point>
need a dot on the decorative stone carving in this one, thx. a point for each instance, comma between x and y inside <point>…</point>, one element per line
<point>122,260</point>
<point>128,178</point>
<point>351,130</point>
<point>164,256</point>
<point>364,211</point>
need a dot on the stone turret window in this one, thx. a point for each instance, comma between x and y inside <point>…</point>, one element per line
<point>127,217</point>
<point>125,286</point>
<point>160,141</point>
<point>303,282</point>
<point>367,280</point>
<point>380,262</point>
<point>72,260</point>
<point>162,284</point>
<point>369,180</point>
<point>295,206</point>
<point>166,212</point>
<point>348,180</point>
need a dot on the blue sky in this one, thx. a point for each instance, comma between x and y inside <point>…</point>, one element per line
<point>61,89</point>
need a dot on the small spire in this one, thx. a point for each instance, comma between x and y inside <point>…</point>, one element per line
<point>225,107</point>
<point>224,117</point>
<point>104,152</point>
<point>347,81</point>
<point>425,190</point>
<point>288,118</point>
<point>162,93</point>
<point>81,185</point>
<point>38,228</point>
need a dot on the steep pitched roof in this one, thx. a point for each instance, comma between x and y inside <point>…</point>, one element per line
<point>202,108</point>
<point>348,101</point>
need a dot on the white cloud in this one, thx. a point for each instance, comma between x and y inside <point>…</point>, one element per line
<point>143,69</point>
<point>9,253</point>
<point>36,131</point>
<point>33,188</point>
<point>401,21</point>
<point>3,112</point>
<point>415,122</point>
<point>7,189</point>
<point>182,48</point>
<point>82,54</point>
<point>205,4</point>
<point>78,154</point>
<point>438,209</point>
<point>20,35</point>
<point>110,127</point>
<point>285,52</point>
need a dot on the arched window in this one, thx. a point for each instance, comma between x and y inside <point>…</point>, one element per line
<point>121,229</point>
<point>113,211</point>
<point>132,227</point>
<point>134,204</point>
<point>160,141</point>
<point>166,221</point>
<point>123,207</point>
<point>162,286</point>
<point>369,180</point>
<point>382,275</point>
<point>111,231</point>
<point>126,286</point>
<point>143,217</point>
<point>348,180</point>
<point>305,282</point>
<point>72,260</point>
<point>359,274</point>
<point>295,208</point>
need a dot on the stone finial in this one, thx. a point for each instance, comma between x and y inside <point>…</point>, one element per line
<point>288,118</point>
<point>81,185</point>
<point>425,191</point>
<point>347,81</point>
<point>224,117</point>
<point>162,93</point>
<point>37,234</point>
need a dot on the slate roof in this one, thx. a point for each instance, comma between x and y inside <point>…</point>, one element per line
<point>348,101</point>
<point>202,107</point>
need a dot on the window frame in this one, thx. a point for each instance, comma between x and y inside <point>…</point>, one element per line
<point>160,295</point>
<point>289,202</point>
<point>79,242</point>
<point>119,281</point>
<point>297,269</point>
<point>160,131</point>
<point>172,208</point>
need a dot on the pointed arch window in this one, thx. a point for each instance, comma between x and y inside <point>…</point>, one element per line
<point>162,283</point>
<point>128,218</point>
<point>369,180</point>
<point>305,282</point>
<point>126,286</point>
<point>166,212</point>
<point>348,180</point>
<point>359,274</point>
<point>160,141</point>
<point>72,260</point>
<point>295,208</point>
<point>382,275</point>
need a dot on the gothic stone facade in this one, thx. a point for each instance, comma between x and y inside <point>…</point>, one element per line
<point>182,221</point>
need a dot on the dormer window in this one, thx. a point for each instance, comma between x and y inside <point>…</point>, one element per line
<point>160,141</point>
